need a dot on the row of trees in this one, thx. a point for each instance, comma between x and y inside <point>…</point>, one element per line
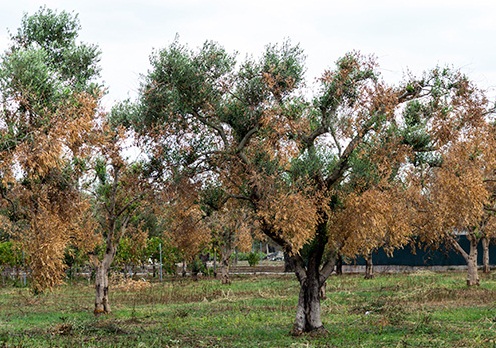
<point>237,149</point>
<point>135,254</point>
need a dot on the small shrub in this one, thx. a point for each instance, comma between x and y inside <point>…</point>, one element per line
<point>197,266</point>
<point>253,259</point>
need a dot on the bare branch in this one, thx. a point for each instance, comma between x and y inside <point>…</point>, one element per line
<point>245,139</point>
<point>342,165</point>
<point>217,128</point>
<point>457,246</point>
<point>336,142</point>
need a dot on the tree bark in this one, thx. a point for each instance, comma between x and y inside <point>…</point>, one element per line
<point>226,252</point>
<point>486,268</point>
<point>470,258</point>
<point>102,303</point>
<point>308,310</point>
<point>312,278</point>
<point>310,274</point>
<point>288,265</point>
<point>322,291</point>
<point>339,265</point>
<point>369,267</point>
<point>472,274</point>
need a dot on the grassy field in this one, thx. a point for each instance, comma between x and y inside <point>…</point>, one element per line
<point>423,309</point>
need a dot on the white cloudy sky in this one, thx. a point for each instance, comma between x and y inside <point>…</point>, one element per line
<point>404,35</point>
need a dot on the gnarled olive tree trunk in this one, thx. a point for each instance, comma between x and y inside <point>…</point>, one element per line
<point>102,303</point>
<point>312,280</point>
<point>312,277</point>
<point>308,310</point>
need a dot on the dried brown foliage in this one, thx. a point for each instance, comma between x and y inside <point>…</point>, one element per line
<point>129,285</point>
<point>187,229</point>
<point>49,234</point>
<point>51,212</point>
<point>291,215</point>
<point>233,226</point>
<point>457,193</point>
<point>376,218</point>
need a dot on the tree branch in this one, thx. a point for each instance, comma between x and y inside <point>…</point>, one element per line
<point>243,143</point>
<point>245,139</point>
<point>217,128</point>
<point>299,266</point>
<point>128,204</point>
<point>336,142</point>
<point>328,266</point>
<point>276,237</point>
<point>458,248</point>
<point>491,209</point>
<point>342,164</point>
<point>240,197</point>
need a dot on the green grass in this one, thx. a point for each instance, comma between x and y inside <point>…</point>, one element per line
<point>418,310</point>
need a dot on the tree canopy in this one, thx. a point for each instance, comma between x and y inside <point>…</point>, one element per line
<point>330,173</point>
<point>49,111</point>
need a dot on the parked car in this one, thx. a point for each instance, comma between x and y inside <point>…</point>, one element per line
<point>276,256</point>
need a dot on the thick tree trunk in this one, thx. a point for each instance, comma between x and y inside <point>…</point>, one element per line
<point>486,268</point>
<point>102,303</point>
<point>311,275</point>
<point>308,310</point>
<point>369,267</point>
<point>312,278</point>
<point>472,275</point>
<point>224,271</point>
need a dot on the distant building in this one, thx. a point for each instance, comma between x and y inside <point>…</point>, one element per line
<point>440,257</point>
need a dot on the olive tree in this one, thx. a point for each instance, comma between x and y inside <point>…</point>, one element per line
<point>49,97</point>
<point>297,160</point>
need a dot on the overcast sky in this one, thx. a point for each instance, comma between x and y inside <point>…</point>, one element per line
<point>404,35</point>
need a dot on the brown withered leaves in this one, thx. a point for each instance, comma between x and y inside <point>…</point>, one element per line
<point>187,230</point>
<point>292,216</point>
<point>52,212</point>
<point>376,218</point>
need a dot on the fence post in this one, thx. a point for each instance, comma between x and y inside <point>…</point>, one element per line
<point>160,264</point>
